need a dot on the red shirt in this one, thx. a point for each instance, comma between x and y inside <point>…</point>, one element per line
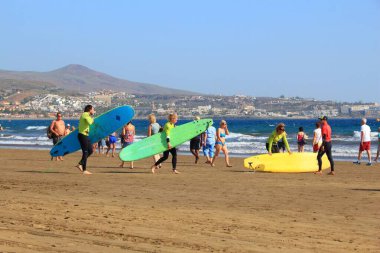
<point>326,132</point>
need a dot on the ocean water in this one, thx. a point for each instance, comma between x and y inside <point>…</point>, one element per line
<point>247,136</point>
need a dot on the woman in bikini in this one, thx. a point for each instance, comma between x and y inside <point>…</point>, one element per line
<point>220,143</point>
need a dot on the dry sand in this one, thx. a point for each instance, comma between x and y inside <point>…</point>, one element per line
<point>50,207</point>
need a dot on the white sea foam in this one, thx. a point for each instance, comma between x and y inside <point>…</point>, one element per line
<point>36,127</point>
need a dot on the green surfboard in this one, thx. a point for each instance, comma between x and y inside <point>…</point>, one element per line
<point>156,144</point>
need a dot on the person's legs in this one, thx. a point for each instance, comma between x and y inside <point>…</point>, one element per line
<point>161,160</point>
<point>173,151</point>
<point>226,156</point>
<point>377,154</point>
<point>86,151</point>
<point>321,152</point>
<point>329,155</point>
<point>217,151</point>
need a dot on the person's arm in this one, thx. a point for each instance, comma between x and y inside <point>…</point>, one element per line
<point>218,135</point>
<point>315,138</point>
<point>123,133</point>
<point>226,130</point>
<point>167,132</point>
<point>361,137</point>
<point>204,137</point>
<point>285,140</point>
<point>149,130</point>
<point>270,143</point>
<point>52,125</point>
<point>89,119</point>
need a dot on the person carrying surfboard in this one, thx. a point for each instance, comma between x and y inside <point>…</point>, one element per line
<point>85,121</point>
<point>278,134</point>
<point>172,119</point>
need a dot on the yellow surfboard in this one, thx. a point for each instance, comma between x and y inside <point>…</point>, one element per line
<point>283,162</point>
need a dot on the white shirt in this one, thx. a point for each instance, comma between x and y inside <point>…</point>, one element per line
<point>366,130</point>
<point>318,135</point>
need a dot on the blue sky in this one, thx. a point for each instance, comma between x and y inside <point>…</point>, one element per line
<point>325,49</point>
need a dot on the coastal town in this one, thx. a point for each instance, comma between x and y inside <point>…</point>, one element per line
<point>14,103</point>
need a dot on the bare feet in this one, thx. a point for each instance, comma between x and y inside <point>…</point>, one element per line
<point>229,165</point>
<point>196,159</point>
<point>154,168</point>
<point>176,172</point>
<point>331,173</point>
<point>121,165</point>
<point>80,167</point>
<point>86,172</point>
<point>212,164</point>
<point>208,162</point>
<point>159,166</point>
<point>319,172</point>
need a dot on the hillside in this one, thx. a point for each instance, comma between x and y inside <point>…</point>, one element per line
<point>79,78</point>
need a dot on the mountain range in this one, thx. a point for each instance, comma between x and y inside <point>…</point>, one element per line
<point>79,78</point>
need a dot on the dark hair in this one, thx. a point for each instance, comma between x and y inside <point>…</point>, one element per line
<point>130,122</point>
<point>318,124</point>
<point>58,113</point>
<point>300,129</point>
<point>88,108</point>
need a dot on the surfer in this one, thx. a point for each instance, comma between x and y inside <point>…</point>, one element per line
<point>172,119</point>
<point>128,135</point>
<point>84,130</point>
<point>57,127</point>
<point>195,144</point>
<point>154,128</point>
<point>220,143</point>
<point>326,146</point>
<point>277,135</point>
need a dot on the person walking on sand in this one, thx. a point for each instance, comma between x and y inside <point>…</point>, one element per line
<point>154,128</point>
<point>112,139</point>
<point>378,145</point>
<point>85,121</point>
<point>57,127</point>
<point>208,143</point>
<point>195,144</point>
<point>317,139</point>
<point>220,143</point>
<point>172,119</point>
<point>128,134</point>
<point>365,142</point>
<point>325,147</point>
<point>301,139</point>
<point>277,135</point>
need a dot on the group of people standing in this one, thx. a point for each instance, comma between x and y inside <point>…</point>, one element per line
<point>321,142</point>
<point>212,141</point>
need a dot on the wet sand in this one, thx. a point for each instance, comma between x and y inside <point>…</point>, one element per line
<point>50,207</point>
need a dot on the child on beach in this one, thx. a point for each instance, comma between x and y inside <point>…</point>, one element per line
<point>220,143</point>
<point>112,144</point>
<point>154,128</point>
<point>317,139</point>
<point>172,119</point>
<point>301,137</point>
<point>128,135</point>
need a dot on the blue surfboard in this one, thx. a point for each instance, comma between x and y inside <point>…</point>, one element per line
<point>104,125</point>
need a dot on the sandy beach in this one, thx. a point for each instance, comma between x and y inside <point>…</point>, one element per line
<point>50,207</point>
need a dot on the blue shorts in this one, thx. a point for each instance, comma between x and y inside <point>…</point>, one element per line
<point>112,139</point>
<point>125,144</point>
<point>208,150</point>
